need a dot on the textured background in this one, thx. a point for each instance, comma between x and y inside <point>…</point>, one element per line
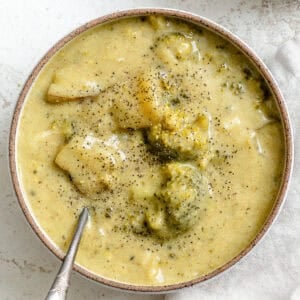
<point>28,29</point>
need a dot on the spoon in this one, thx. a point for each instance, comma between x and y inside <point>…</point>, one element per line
<point>59,288</point>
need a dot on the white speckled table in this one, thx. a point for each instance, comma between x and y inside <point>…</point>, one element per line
<point>28,30</point>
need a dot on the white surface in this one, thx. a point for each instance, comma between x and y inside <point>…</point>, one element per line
<point>28,29</point>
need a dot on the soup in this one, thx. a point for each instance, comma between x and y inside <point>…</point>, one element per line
<point>170,137</point>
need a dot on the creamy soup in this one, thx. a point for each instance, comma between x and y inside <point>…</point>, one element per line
<point>169,136</point>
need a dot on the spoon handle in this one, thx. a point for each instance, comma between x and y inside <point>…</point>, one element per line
<point>60,285</point>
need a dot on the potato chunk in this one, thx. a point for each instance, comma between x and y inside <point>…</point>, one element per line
<point>127,109</point>
<point>90,162</point>
<point>73,83</point>
<point>46,144</point>
<point>140,101</point>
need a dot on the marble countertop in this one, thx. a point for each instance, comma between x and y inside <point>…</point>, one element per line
<point>28,29</point>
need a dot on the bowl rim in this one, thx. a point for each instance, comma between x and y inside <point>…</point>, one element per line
<point>200,22</point>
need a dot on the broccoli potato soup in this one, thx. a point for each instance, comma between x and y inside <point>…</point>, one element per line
<point>167,133</point>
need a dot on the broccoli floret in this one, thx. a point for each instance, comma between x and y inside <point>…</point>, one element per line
<point>175,46</point>
<point>182,194</point>
<point>174,207</point>
<point>158,22</point>
<point>177,137</point>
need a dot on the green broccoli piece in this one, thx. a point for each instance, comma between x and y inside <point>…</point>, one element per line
<point>182,194</point>
<point>177,137</point>
<point>174,207</point>
<point>175,46</point>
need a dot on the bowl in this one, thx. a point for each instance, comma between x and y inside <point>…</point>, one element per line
<point>198,21</point>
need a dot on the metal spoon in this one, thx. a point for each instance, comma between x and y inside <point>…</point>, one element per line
<point>59,288</point>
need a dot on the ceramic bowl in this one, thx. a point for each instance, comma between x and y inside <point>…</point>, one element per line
<point>198,21</point>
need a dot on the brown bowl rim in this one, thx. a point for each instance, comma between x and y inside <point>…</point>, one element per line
<point>198,21</point>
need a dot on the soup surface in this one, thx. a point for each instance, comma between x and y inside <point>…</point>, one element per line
<point>167,133</point>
